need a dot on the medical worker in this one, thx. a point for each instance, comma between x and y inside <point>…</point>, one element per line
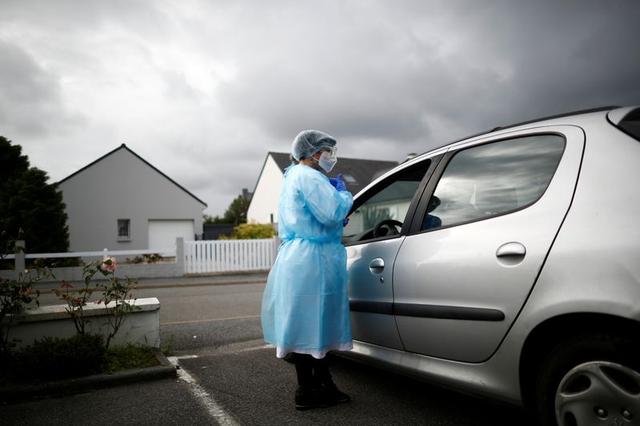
<point>305,307</point>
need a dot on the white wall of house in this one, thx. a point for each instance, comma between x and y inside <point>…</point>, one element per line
<point>122,186</point>
<point>266,194</point>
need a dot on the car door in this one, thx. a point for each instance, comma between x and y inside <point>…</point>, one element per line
<point>378,222</point>
<point>481,233</point>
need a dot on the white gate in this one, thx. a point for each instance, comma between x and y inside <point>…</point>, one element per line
<point>229,255</point>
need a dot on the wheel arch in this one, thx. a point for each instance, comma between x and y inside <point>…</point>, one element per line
<point>553,330</point>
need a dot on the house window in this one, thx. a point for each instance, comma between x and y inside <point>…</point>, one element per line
<point>124,229</point>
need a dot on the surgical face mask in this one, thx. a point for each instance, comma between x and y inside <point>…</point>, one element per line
<point>327,160</point>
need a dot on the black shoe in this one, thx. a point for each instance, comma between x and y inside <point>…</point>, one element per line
<point>334,394</point>
<point>309,398</point>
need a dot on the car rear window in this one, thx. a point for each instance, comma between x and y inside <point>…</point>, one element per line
<point>494,179</point>
<point>630,124</point>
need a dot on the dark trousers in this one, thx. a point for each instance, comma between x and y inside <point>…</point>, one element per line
<point>311,372</point>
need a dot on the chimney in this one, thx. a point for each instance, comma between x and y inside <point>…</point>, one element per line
<point>246,194</point>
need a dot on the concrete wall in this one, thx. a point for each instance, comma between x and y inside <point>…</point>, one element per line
<point>142,326</point>
<point>122,186</point>
<point>168,268</point>
<point>266,194</point>
<point>134,271</point>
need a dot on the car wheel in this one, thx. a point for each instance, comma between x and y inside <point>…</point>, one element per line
<point>590,380</point>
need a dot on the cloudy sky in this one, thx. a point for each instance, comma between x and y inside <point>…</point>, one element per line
<point>203,89</point>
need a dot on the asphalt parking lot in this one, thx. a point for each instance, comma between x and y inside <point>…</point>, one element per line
<point>228,376</point>
<point>256,388</point>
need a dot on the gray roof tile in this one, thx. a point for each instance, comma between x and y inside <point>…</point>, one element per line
<point>362,171</point>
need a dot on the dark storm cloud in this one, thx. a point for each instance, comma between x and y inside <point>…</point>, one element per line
<point>569,55</point>
<point>28,92</point>
<point>204,89</point>
<point>390,78</point>
<point>348,78</point>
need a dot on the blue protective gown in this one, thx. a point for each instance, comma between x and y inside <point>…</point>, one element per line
<point>305,307</point>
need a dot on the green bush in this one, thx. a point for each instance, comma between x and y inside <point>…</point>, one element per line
<point>53,358</point>
<point>252,231</point>
<point>146,258</point>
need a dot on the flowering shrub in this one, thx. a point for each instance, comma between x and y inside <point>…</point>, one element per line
<point>109,264</point>
<point>15,296</point>
<point>77,299</point>
<point>115,294</point>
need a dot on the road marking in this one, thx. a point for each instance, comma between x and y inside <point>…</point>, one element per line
<point>214,409</point>
<point>209,320</point>
<point>255,348</point>
<point>184,357</point>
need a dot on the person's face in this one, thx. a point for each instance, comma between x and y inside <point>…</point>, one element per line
<point>319,153</point>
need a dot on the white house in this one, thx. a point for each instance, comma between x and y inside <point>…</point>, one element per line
<point>122,202</point>
<point>263,208</point>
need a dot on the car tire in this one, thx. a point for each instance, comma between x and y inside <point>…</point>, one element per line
<point>589,379</point>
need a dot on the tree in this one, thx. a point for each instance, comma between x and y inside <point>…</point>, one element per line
<point>237,211</point>
<point>235,214</point>
<point>30,208</point>
<point>216,220</point>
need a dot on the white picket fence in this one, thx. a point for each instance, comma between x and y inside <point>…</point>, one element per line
<point>191,257</point>
<point>208,256</point>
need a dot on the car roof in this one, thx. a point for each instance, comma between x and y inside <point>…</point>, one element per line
<point>552,117</point>
<point>522,123</point>
<point>445,146</point>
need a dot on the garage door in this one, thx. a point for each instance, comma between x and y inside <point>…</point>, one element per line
<point>163,233</point>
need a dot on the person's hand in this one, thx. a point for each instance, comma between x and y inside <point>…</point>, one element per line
<point>345,221</point>
<point>334,182</point>
<point>340,185</point>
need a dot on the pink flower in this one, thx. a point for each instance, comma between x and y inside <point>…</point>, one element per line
<point>109,264</point>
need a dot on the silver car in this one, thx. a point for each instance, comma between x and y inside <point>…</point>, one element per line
<point>508,265</point>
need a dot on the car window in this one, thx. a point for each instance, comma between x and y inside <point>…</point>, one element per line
<point>493,179</point>
<point>631,123</point>
<point>382,211</point>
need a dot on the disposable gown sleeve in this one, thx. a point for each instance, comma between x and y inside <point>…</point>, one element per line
<point>325,203</point>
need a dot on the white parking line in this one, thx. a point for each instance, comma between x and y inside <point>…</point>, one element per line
<point>214,409</point>
<point>255,348</point>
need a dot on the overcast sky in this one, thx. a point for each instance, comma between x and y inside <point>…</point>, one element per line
<point>204,89</point>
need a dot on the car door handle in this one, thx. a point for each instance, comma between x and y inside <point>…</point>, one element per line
<point>376,266</point>
<point>511,250</point>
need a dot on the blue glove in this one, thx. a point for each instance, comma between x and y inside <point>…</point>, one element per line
<point>340,185</point>
<point>334,182</point>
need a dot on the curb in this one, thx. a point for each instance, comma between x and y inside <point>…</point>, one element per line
<point>81,384</point>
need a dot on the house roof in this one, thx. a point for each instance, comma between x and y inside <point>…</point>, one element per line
<point>357,172</point>
<point>125,147</point>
